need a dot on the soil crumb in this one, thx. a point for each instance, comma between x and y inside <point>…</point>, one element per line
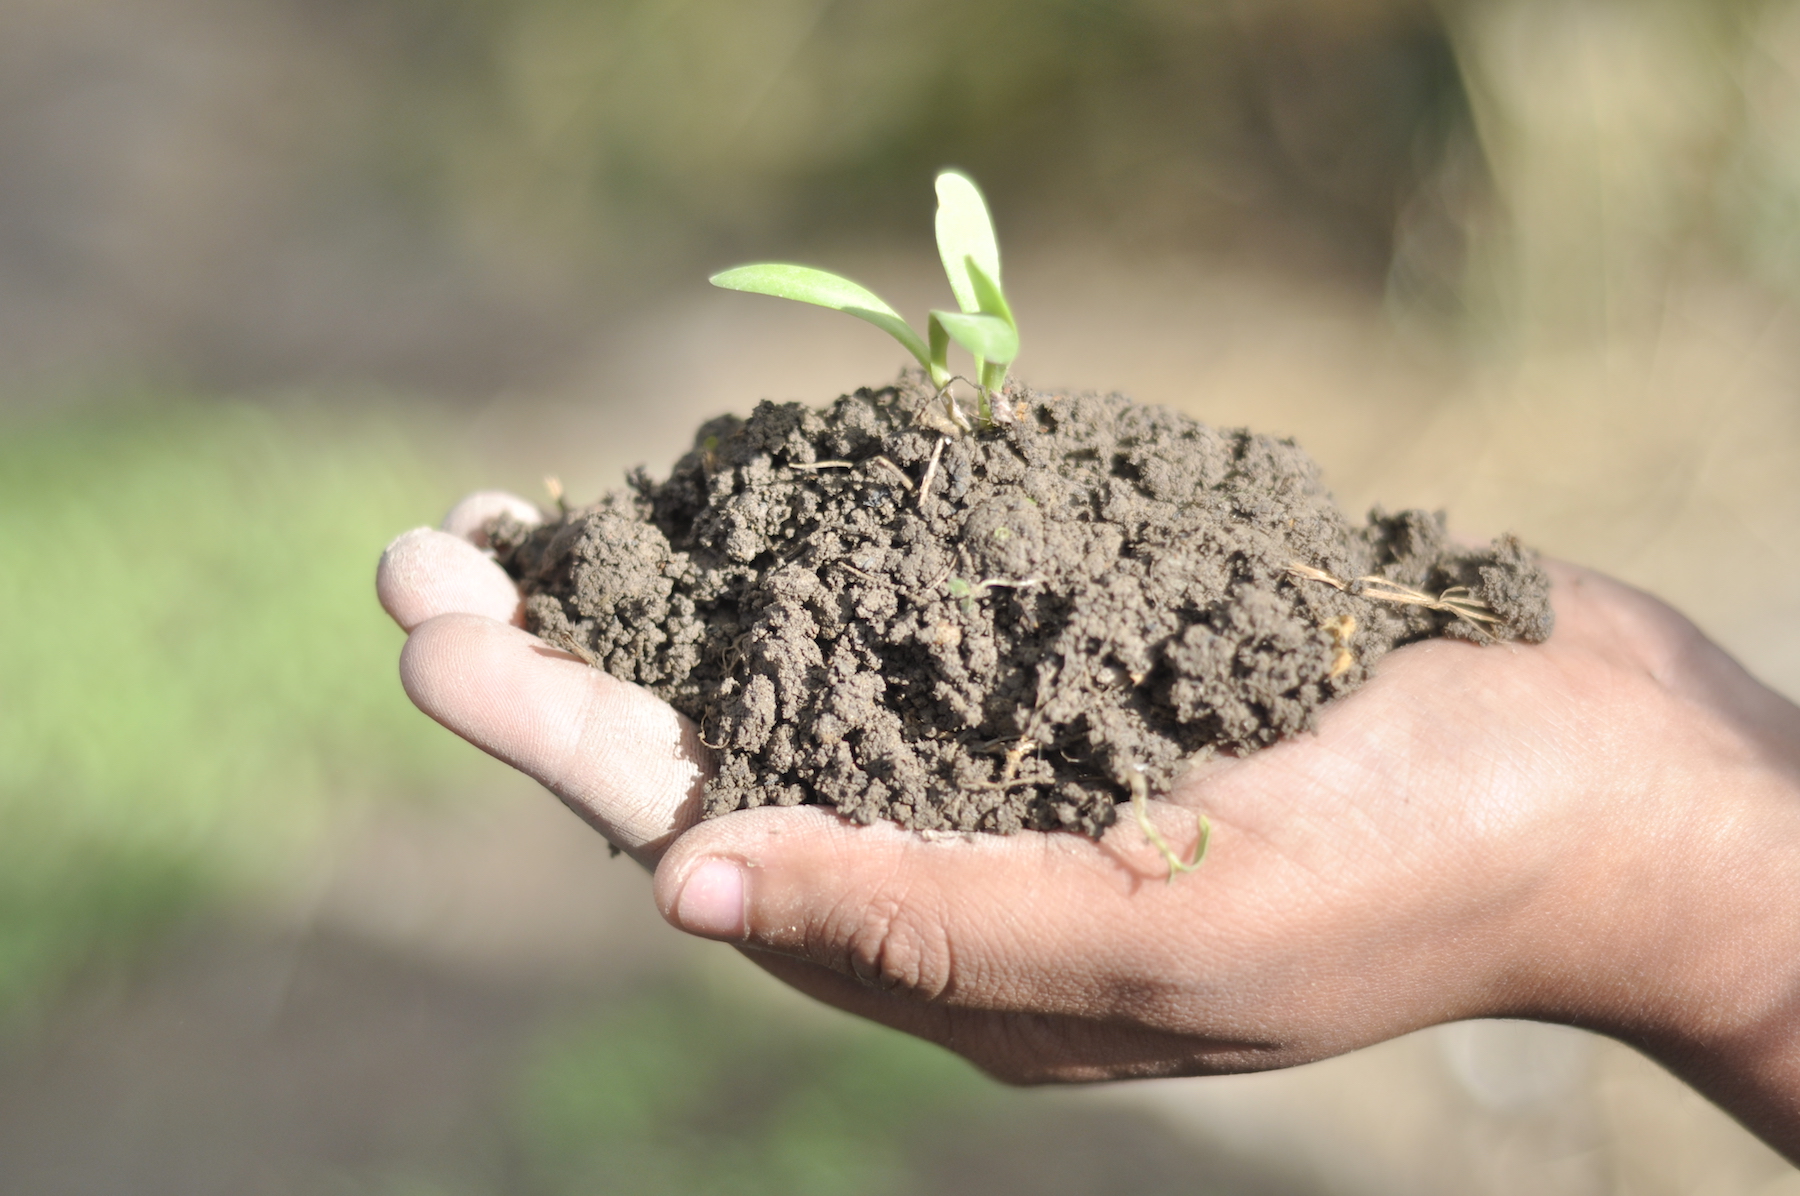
<point>994,630</point>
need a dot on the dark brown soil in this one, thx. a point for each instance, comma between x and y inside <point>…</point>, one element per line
<point>1093,590</point>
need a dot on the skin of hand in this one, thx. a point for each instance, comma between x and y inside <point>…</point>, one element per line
<point>1602,830</point>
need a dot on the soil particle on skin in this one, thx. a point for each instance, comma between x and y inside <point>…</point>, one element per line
<point>1092,589</point>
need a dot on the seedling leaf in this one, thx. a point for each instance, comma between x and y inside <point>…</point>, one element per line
<point>988,296</point>
<point>965,231</point>
<point>991,339</point>
<point>821,287</point>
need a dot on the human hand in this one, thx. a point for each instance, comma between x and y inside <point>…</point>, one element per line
<point>1599,830</point>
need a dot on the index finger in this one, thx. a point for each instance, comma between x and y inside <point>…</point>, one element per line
<point>428,572</point>
<point>618,756</point>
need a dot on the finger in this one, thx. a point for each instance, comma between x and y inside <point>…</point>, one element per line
<point>1029,922</point>
<point>470,517</point>
<point>622,759</point>
<point>425,573</point>
<point>1032,1048</point>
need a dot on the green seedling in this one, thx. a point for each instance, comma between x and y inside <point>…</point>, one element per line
<point>984,326</point>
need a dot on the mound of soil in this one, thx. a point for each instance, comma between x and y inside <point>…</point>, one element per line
<point>998,629</point>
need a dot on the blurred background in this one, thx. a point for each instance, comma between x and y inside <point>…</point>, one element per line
<point>281,278</point>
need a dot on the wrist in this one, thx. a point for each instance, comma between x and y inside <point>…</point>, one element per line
<point>1732,1024</point>
<point>1677,928</point>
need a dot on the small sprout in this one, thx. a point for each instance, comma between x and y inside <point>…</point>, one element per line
<point>963,592</point>
<point>971,255</point>
<point>1002,534</point>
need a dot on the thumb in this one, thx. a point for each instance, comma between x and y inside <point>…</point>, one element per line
<point>1047,923</point>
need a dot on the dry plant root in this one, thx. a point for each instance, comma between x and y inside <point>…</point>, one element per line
<point>1341,630</point>
<point>895,470</point>
<point>958,423</point>
<point>1457,600</point>
<point>962,589</point>
<point>1140,808</point>
<point>815,466</point>
<point>1014,754</point>
<point>937,450</point>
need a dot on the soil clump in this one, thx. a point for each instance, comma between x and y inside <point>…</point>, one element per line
<point>1000,629</point>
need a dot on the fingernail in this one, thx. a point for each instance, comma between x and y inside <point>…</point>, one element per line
<point>712,901</point>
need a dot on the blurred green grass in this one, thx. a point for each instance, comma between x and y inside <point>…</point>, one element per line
<point>686,1092</point>
<point>195,674</point>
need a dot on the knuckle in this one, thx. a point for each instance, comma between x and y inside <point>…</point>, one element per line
<point>891,945</point>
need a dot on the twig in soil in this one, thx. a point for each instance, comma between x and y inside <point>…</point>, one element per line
<point>1019,749</point>
<point>962,589</point>
<point>935,582</point>
<point>937,450</point>
<point>1006,583</point>
<point>897,471</point>
<point>1004,785</point>
<point>568,643</point>
<point>1140,798</point>
<point>815,466</point>
<point>1457,600</point>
